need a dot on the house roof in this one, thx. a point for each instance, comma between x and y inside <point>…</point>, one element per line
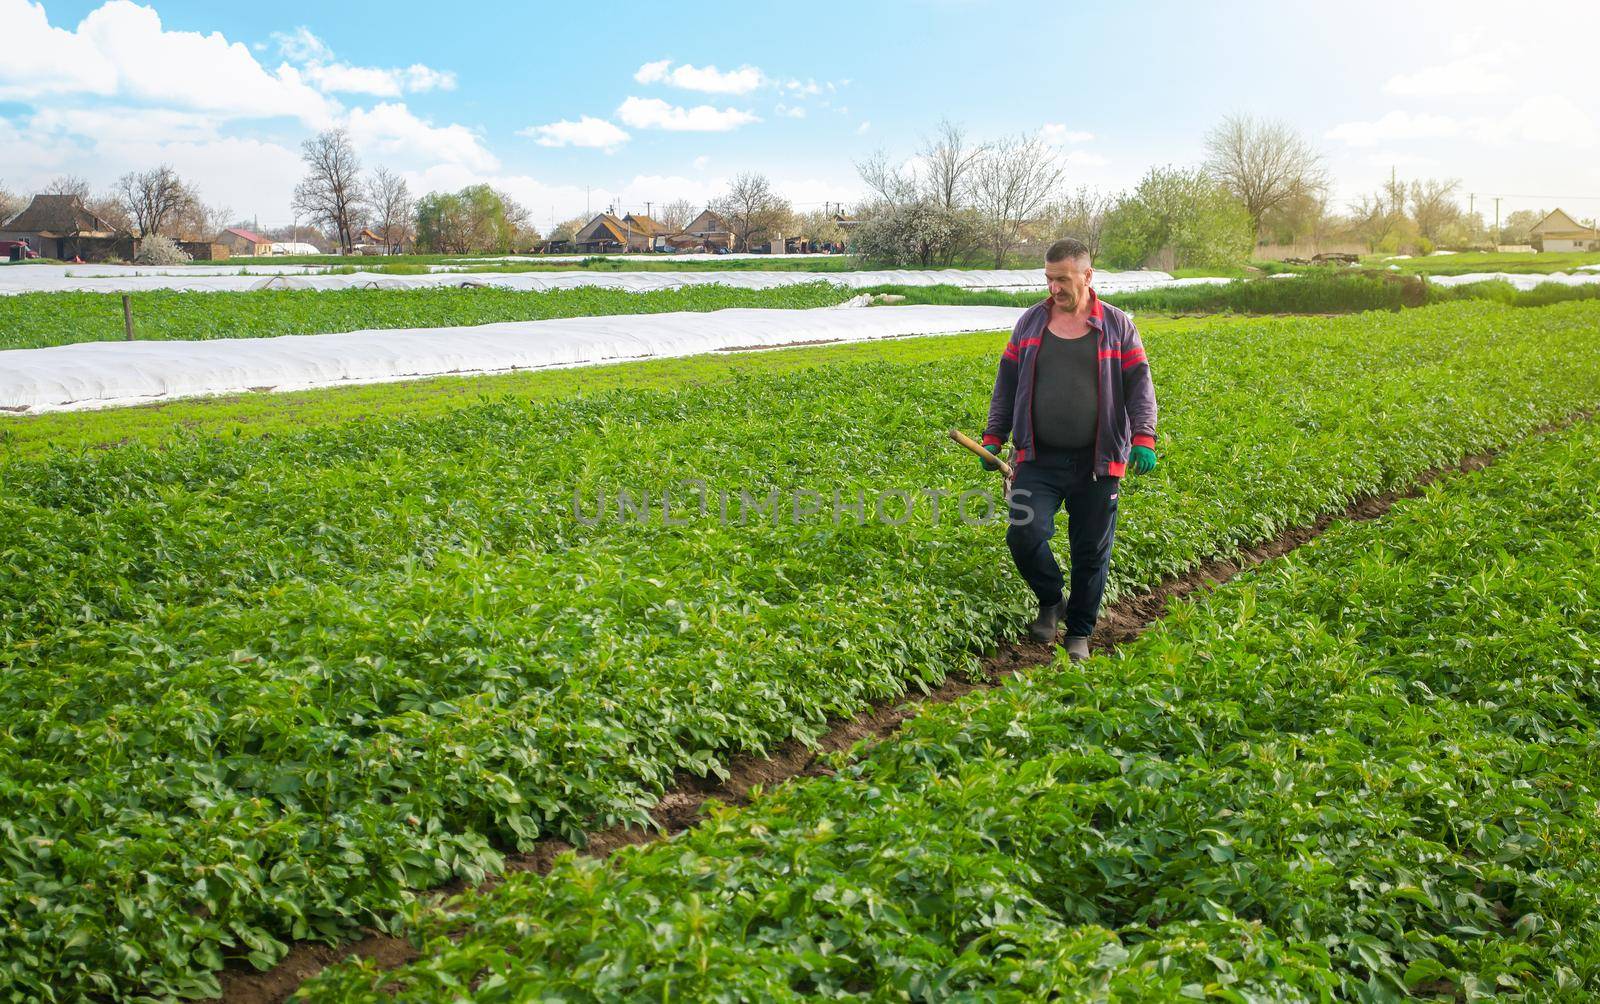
<point>645,224</point>
<point>59,215</point>
<point>605,221</point>
<point>707,222</point>
<point>1558,222</point>
<point>247,235</point>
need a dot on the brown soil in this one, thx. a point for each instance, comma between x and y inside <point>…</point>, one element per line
<point>680,808</point>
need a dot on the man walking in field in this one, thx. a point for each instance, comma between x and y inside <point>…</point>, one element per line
<point>1074,394</point>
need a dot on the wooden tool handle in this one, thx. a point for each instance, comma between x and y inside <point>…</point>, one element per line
<point>967,441</point>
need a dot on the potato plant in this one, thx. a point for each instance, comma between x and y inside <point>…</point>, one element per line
<point>261,689</point>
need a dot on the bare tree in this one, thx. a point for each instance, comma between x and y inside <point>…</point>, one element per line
<point>949,160</point>
<point>153,198</point>
<point>1434,206</point>
<point>752,209</point>
<point>890,184</point>
<point>1011,185</point>
<point>196,221</point>
<point>68,184</point>
<point>676,215</point>
<point>519,223</point>
<point>1263,163</point>
<point>330,193</point>
<point>391,202</point>
<point>568,229</point>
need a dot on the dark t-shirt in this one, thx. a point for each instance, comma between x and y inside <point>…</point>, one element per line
<point>1066,392</point>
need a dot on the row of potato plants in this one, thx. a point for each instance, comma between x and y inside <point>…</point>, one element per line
<point>253,691</point>
<point>1366,771</point>
<point>38,320</point>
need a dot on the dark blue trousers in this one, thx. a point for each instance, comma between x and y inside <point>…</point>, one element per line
<point>1042,486</point>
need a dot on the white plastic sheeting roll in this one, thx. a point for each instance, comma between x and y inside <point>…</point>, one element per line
<point>108,374</point>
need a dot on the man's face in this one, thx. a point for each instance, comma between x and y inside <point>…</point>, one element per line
<point>1069,282</point>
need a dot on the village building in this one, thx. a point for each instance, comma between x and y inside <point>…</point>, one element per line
<point>1560,232</point>
<point>243,243</point>
<point>61,227</point>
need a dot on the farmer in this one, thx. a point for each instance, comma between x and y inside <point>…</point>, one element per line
<point>1075,396</point>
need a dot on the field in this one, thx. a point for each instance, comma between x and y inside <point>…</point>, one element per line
<point>1488,261</point>
<point>36,320</point>
<point>260,688</point>
<point>1366,771</point>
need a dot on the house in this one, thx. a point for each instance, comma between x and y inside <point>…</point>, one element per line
<point>1559,232</point>
<point>243,242</point>
<point>60,226</point>
<point>605,234</point>
<point>710,231</point>
<point>654,234</point>
<point>367,242</point>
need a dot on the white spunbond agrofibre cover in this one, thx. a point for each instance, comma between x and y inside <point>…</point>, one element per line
<point>1522,281</point>
<point>108,374</point>
<point>109,279</point>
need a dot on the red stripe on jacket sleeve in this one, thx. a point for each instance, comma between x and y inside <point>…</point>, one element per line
<point>1132,358</point>
<point>989,440</point>
<point>1146,441</point>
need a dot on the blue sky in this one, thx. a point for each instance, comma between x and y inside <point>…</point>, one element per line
<point>673,99</point>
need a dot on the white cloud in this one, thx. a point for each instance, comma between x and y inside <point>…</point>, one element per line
<point>701,162</point>
<point>1396,125</point>
<point>317,63</point>
<point>390,130</point>
<point>790,111</point>
<point>863,128</point>
<point>707,79</point>
<point>301,46</point>
<point>808,88</point>
<point>120,49</point>
<point>586,132</point>
<point>1479,73</point>
<point>1056,134</point>
<point>653,113</point>
<point>1545,118</point>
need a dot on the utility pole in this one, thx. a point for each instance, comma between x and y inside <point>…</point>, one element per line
<point>1497,222</point>
<point>647,206</point>
<point>586,200</point>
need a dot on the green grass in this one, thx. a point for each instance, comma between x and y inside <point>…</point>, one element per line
<point>1315,291</point>
<point>1488,261</point>
<point>34,320</point>
<point>1365,771</point>
<point>259,688</point>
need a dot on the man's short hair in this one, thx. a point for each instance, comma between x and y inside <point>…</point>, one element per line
<point>1067,247</point>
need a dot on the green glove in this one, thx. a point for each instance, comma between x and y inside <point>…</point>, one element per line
<point>990,465</point>
<point>1142,460</point>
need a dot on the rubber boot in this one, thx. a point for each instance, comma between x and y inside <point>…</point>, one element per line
<point>1077,648</point>
<point>1043,627</point>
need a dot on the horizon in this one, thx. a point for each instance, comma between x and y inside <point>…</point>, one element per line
<point>594,115</point>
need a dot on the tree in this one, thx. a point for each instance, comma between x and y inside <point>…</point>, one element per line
<point>1433,206</point>
<point>752,210</point>
<point>1012,182</point>
<point>330,194</point>
<point>195,220</point>
<point>153,199</point>
<point>950,162</point>
<point>819,227</point>
<point>392,206</point>
<point>1185,213</point>
<point>568,229</point>
<point>1081,214</point>
<point>10,203</point>
<point>674,216</point>
<point>917,232</point>
<point>1263,163</point>
<point>476,219</point>
<point>159,249</point>
<point>1517,228</point>
<point>68,184</point>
